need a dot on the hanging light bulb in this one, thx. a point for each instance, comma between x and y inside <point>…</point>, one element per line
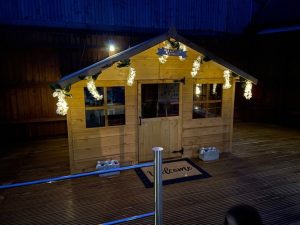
<point>131,76</point>
<point>92,88</point>
<point>248,90</point>
<point>226,76</point>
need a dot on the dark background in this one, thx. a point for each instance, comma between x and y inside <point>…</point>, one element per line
<point>44,40</point>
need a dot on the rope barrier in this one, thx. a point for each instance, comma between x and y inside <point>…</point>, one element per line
<point>72,176</point>
<point>129,219</point>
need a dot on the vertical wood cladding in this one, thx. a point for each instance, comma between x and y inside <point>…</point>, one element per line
<point>30,61</point>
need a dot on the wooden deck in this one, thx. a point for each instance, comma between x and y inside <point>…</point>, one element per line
<point>263,170</point>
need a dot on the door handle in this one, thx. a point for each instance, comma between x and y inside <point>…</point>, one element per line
<point>140,118</point>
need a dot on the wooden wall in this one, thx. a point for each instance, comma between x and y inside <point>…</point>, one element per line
<point>87,145</point>
<point>30,60</point>
<point>26,102</point>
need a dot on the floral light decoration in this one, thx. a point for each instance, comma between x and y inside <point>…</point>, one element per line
<point>248,90</point>
<point>227,75</point>
<point>196,66</point>
<point>214,89</point>
<point>92,88</point>
<point>62,105</point>
<point>131,76</point>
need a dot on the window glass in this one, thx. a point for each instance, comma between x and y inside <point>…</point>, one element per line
<point>115,96</point>
<point>116,116</point>
<point>90,101</point>
<point>160,100</point>
<point>109,111</point>
<point>207,100</point>
<point>95,118</point>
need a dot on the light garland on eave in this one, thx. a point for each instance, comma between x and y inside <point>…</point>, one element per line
<point>226,76</point>
<point>62,105</point>
<point>92,88</point>
<point>131,76</point>
<point>248,90</point>
<point>196,66</point>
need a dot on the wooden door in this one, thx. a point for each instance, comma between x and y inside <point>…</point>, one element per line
<point>159,111</point>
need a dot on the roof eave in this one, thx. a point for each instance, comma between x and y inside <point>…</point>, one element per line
<point>97,67</point>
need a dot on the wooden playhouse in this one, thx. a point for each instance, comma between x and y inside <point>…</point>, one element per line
<point>165,92</point>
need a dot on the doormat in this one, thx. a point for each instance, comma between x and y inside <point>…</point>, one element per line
<point>174,171</point>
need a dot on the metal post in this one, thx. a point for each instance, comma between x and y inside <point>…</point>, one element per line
<point>158,185</point>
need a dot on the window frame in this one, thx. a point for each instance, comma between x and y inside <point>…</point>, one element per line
<point>105,106</point>
<point>206,101</point>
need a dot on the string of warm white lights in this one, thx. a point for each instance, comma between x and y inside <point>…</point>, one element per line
<point>214,89</point>
<point>92,89</point>
<point>248,90</point>
<point>196,66</point>
<point>226,76</point>
<point>198,90</point>
<point>131,76</point>
<point>62,105</point>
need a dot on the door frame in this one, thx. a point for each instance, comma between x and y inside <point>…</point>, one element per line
<point>139,108</point>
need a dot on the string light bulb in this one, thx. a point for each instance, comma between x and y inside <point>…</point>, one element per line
<point>196,66</point>
<point>198,90</point>
<point>226,75</point>
<point>92,88</point>
<point>248,90</point>
<point>62,105</point>
<point>131,76</point>
<point>214,89</point>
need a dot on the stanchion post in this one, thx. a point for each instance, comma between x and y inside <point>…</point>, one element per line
<point>158,185</point>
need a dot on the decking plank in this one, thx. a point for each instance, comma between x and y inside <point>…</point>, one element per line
<point>263,170</point>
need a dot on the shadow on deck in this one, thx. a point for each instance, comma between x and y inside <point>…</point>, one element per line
<point>263,170</point>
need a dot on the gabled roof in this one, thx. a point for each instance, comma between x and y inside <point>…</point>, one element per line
<point>97,67</point>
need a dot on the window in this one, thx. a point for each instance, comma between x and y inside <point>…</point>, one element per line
<point>109,111</point>
<point>160,100</point>
<point>207,100</point>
